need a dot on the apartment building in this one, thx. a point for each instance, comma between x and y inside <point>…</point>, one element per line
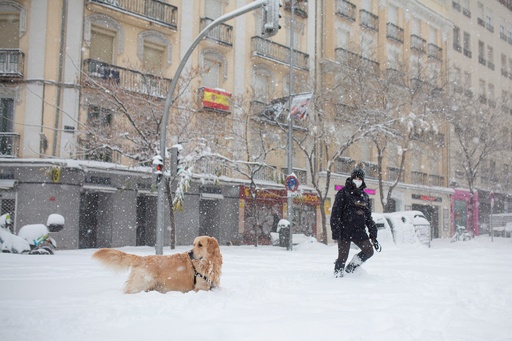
<point>68,65</point>
<point>480,60</point>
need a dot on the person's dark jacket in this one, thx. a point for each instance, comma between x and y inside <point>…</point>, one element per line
<point>352,214</point>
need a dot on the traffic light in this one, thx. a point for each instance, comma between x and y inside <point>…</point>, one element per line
<point>176,165</point>
<point>270,18</point>
<point>159,167</point>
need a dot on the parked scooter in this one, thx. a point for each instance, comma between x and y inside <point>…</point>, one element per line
<point>461,234</point>
<point>32,239</point>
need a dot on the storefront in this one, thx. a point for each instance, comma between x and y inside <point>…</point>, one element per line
<point>261,210</point>
<point>464,211</point>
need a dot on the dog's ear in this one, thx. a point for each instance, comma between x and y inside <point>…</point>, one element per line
<point>213,245</point>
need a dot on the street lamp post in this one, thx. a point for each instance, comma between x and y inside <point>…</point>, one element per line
<point>290,127</point>
<point>169,101</point>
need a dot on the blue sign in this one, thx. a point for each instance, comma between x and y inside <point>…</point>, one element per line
<point>292,183</point>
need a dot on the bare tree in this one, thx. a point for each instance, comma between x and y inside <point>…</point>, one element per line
<point>480,137</point>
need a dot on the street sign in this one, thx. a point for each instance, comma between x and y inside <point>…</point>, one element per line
<point>292,183</point>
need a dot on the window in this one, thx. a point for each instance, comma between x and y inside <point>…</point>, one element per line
<point>262,84</point>
<point>456,39</point>
<point>394,57</point>
<point>481,52</point>
<point>433,36</point>
<point>367,45</point>
<point>416,27</point>
<point>467,44</point>
<point>488,20</point>
<point>481,20</point>
<point>105,37</point>
<point>366,5</point>
<point>393,15</point>
<point>98,117</point>
<point>9,26</point>
<point>490,57</point>
<point>213,8</point>
<point>153,57</point>
<point>343,37</point>
<point>215,69</point>
<point>467,80</point>
<point>7,115</point>
<point>504,70</point>
<point>481,89</point>
<point>102,45</point>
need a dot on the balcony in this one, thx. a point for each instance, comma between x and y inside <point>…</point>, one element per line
<point>481,22</point>
<point>9,144</point>
<point>467,53</point>
<point>369,20</point>
<point>270,50</point>
<point>489,27</point>
<point>435,52</point>
<point>436,180</point>
<point>482,60</point>
<point>504,71</point>
<point>490,65</point>
<point>418,44</point>
<point>223,34</point>
<point>457,47</point>
<point>126,79</point>
<point>356,61</point>
<point>392,174</point>
<point>456,6</point>
<point>419,178</point>
<point>156,11</point>
<point>395,76</point>
<point>466,12</point>
<point>11,63</point>
<point>346,10</point>
<point>394,32</point>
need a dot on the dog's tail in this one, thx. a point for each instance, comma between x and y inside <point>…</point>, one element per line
<point>116,260</point>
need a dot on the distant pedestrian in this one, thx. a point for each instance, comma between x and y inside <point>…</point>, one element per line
<point>350,217</point>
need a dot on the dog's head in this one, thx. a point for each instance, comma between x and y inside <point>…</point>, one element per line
<point>205,248</point>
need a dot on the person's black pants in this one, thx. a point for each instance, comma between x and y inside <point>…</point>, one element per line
<point>344,248</point>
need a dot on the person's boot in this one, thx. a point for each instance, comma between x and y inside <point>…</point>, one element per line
<point>354,264</point>
<point>338,269</point>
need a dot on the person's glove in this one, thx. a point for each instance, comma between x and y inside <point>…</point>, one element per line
<point>376,245</point>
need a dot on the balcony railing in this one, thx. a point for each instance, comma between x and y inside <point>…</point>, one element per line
<point>11,63</point>
<point>279,53</point>
<point>435,52</point>
<point>154,10</point>
<point>419,178</point>
<point>436,180</point>
<point>9,145</point>
<point>222,34</point>
<point>369,20</point>
<point>395,32</point>
<point>347,10</point>
<point>127,79</point>
<point>418,44</point>
<point>356,61</point>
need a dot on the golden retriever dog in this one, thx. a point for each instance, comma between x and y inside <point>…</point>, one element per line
<point>197,269</point>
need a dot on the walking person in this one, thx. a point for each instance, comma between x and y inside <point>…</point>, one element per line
<point>350,217</point>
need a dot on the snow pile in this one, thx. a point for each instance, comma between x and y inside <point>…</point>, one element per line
<point>451,291</point>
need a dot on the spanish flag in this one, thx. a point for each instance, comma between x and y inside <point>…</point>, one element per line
<point>216,99</point>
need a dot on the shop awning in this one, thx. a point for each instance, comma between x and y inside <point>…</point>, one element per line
<point>102,189</point>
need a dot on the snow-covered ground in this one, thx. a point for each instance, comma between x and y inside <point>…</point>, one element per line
<point>459,291</point>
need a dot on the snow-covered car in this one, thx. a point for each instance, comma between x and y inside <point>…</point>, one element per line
<point>409,227</point>
<point>384,234</point>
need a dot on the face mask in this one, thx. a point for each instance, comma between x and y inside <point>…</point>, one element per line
<point>358,183</point>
